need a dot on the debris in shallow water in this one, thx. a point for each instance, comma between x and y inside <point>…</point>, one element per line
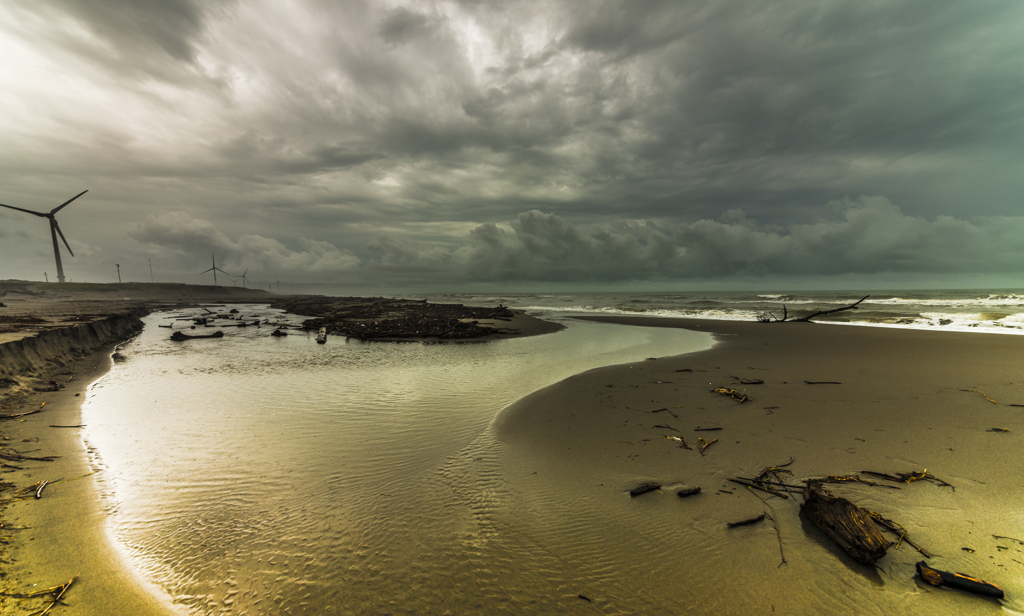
<point>823,382</point>
<point>644,488</point>
<point>705,429</point>
<point>959,581</point>
<point>585,598</point>
<point>998,430</point>
<point>690,492</point>
<point>665,427</point>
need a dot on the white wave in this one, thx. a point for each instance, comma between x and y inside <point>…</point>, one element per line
<point>944,321</point>
<point>1001,299</point>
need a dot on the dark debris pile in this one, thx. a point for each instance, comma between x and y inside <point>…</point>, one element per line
<point>381,318</point>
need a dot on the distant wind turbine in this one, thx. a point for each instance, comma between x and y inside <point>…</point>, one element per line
<point>215,269</point>
<point>244,279</point>
<point>54,230</point>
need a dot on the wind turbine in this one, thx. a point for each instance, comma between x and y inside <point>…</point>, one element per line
<point>244,279</point>
<point>215,269</point>
<point>54,230</point>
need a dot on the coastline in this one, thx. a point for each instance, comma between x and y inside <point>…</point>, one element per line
<point>67,529</point>
<point>900,405</point>
<point>879,399</point>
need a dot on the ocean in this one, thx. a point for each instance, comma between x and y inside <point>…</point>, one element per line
<point>977,310</point>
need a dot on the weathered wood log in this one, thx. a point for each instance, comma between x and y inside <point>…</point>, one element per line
<point>690,492</point>
<point>958,580</point>
<point>644,488</point>
<point>845,523</point>
<point>768,317</point>
<point>180,336</point>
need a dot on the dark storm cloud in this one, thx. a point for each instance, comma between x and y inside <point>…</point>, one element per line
<point>869,235</point>
<point>581,140</point>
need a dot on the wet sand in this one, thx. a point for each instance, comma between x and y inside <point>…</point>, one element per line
<point>66,529</point>
<point>572,451</point>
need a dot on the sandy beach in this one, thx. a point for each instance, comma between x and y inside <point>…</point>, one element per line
<point>836,399</point>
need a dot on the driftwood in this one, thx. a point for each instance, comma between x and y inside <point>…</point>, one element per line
<point>689,492</point>
<point>680,440</point>
<point>17,457</point>
<point>753,520</point>
<point>732,393</point>
<point>898,530</point>
<point>278,333</point>
<point>768,317</point>
<point>911,477</point>
<point>180,336</point>
<point>958,580</point>
<point>845,523</point>
<point>321,336</point>
<point>644,488</point>
<point>24,414</point>
<point>704,444</point>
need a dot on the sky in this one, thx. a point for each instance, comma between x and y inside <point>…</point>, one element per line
<point>518,145</point>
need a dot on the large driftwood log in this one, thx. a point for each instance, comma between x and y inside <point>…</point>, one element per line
<point>958,580</point>
<point>767,317</point>
<point>845,523</point>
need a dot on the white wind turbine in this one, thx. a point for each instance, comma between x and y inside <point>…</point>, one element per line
<point>215,269</point>
<point>54,229</point>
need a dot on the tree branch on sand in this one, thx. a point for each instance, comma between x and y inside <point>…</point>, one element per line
<point>768,317</point>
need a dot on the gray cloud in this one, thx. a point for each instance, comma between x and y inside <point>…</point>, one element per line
<point>638,129</point>
<point>868,235</point>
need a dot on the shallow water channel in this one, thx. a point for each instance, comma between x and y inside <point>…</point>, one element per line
<point>253,474</point>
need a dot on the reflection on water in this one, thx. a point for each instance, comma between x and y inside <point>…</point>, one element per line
<point>255,474</point>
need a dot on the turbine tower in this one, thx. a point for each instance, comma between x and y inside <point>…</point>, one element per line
<point>54,230</point>
<point>215,269</point>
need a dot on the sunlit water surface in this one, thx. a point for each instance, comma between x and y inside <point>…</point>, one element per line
<point>254,474</point>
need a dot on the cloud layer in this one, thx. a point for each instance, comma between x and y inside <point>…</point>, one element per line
<point>864,236</point>
<point>419,122</point>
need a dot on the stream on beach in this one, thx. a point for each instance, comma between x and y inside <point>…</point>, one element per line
<point>253,474</point>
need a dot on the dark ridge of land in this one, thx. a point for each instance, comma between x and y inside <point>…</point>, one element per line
<point>379,318</point>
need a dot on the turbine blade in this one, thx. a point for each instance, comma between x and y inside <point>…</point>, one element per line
<point>209,270</point>
<point>24,210</point>
<point>58,208</point>
<point>53,221</point>
<point>245,272</point>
